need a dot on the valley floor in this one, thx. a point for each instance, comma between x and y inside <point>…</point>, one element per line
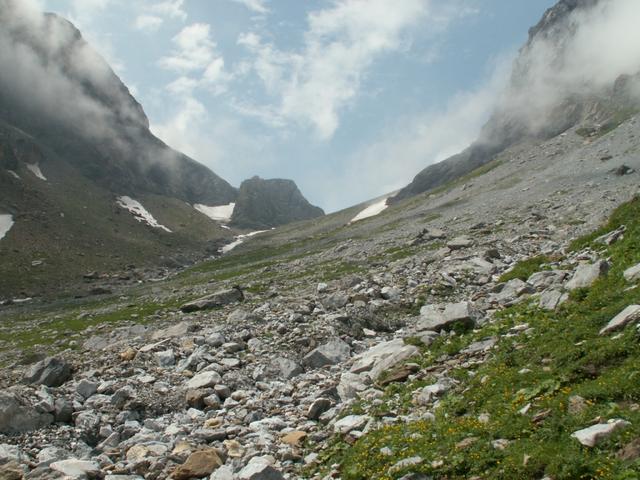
<point>456,335</point>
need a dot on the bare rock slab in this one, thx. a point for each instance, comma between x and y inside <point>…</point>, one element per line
<point>628,315</point>
<point>331,353</point>
<point>592,436</point>
<point>215,300</point>
<point>587,274</point>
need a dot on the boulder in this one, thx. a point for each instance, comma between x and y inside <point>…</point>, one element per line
<point>351,422</point>
<point>586,274</point>
<point>454,314</point>
<point>383,357</point>
<point>18,416</point>
<point>592,436</point>
<point>335,301</point>
<point>552,299</point>
<point>628,315</point>
<point>74,469</point>
<point>198,465</point>
<point>285,368</point>
<point>331,353</point>
<point>215,300</point>
<point>632,274</point>
<point>204,380</point>
<point>317,408</point>
<point>51,372</point>
<point>260,468</point>
<point>459,243</point>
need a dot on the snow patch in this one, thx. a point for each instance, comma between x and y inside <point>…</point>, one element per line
<point>14,174</point>
<point>221,213</point>
<point>239,241</point>
<point>139,212</point>
<point>35,169</point>
<point>6,222</point>
<point>371,211</point>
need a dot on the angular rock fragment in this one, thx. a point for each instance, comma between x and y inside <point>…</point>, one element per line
<point>215,300</point>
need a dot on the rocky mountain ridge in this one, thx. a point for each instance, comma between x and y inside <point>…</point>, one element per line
<point>537,104</point>
<point>73,143</point>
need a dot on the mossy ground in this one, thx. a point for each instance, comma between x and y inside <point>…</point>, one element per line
<point>561,356</point>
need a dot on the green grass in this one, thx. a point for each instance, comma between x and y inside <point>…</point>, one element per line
<point>563,356</point>
<point>524,269</point>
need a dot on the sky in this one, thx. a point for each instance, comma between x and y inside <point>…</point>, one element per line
<point>349,98</point>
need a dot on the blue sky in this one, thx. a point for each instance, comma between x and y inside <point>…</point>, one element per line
<point>350,98</point>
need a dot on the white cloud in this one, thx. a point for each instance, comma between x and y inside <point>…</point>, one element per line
<point>415,142</point>
<point>257,6</point>
<point>195,49</point>
<point>314,85</point>
<point>170,9</point>
<point>148,23</point>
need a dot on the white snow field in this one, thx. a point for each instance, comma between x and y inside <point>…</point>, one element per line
<point>6,222</point>
<point>239,241</point>
<point>371,211</point>
<point>35,169</point>
<point>139,212</point>
<point>221,213</point>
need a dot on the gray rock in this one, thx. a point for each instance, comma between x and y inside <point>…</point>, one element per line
<point>628,315</point>
<point>587,274</point>
<point>546,279</point>
<point>351,422</point>
<point>215,300</point>
<point>390,293</point>
<point>552,299</point>
<point>165,359</point>
<point>632,274</point>
<point>331,353</point>
<point>459,243</point>
<point>259,468</point>
<point>74,469</point>
<point>18,416</point>
<point>9,453</point>
<point>351,385</point>
<point>335,301</point>
<point>454,314</point>
<point>203,380</point>
<point>51,372</point>
<point>318,407</point>
<point>286,368</point>
<point>383,357</point>
<point>86,388</point>
<point>592,436</point>
<point>225,472</point>
<point>62,410</point>
<point>215,340</point>
<point>512,291</point>
<point>481,346</point>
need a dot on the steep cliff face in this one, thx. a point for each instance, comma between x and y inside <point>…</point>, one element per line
<point>59,91</point>
<point>271,203</point>
<point>550,90</point>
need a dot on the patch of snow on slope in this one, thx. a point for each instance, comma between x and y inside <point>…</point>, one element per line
<point>6,222</point>
<point>35,169</point>
<point>221,213</point>
<point>139,212</point>
<point>13,174</point>
<point>371,210</point>
<point>239,241</point>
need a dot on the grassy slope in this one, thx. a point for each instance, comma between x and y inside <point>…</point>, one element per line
<point>565,356</point>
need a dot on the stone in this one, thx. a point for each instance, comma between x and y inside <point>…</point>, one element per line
<point>295,439</point>
<point>628,315</point>
<point>592,436</point>
<point>86,388</point>
<point>512,291</point>
<point>62,410</point>
<point>351,385</point>
<point>632,274</point>
<point>286,369</point>
<point>51,372</point>
<point>128,355</point>
<point>552,299</point>
<point>390,293</point>
<point>10,453</point>
<point>481,346</point>
<point>204,380</point>
<point>546,279</point>
<point>74,469</point>
<point>165,358</point>
<point>318,407</point>
<point>11,471</point>
<point>223,473</point>
<point>259,468</point>
<point>459,243</point>
<point>215,300</point>
<point>18,416</point>
<point>586,274</point>
<point>351,422</point>
<point>175,331</point>
<point>331,353</point>
<point>199,465</point>
<point>335,301</point>
<point>455,314</point>
<point>576,405</point>
<point>630,452</point>
<point>395,349</point>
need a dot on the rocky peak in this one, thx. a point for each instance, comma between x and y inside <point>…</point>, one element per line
<point>269,203</point>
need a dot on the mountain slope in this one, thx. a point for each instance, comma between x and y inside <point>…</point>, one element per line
<point>549,92</point>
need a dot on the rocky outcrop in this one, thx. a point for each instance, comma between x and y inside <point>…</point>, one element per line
<point>263,204</point>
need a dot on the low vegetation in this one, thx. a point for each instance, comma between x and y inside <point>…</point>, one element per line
<point>512,417</point>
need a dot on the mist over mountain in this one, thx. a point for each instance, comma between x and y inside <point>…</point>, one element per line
<point>579,66</point>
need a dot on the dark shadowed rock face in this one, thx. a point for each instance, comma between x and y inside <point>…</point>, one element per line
<point>270,203</point>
